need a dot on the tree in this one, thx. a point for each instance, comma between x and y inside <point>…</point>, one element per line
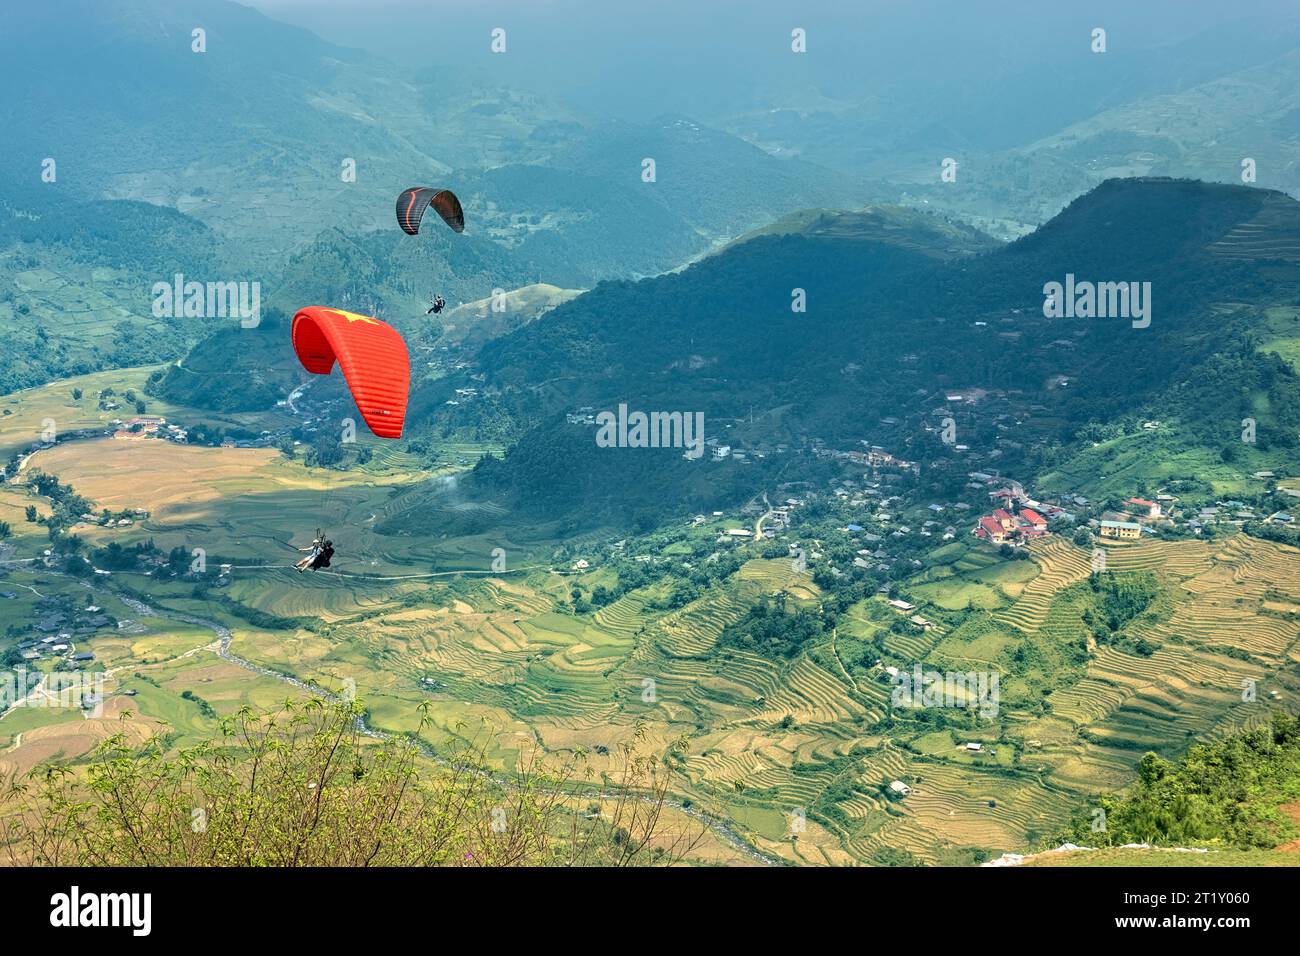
<point>325,451</point>
<point>76,394</point>
<point>1151,769</point>
<point>31,512</point>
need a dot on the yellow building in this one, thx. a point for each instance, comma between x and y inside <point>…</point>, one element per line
<point>1121,529</point>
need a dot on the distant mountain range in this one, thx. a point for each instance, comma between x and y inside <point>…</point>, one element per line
<point>908,320</point>
<point>236,163</point>
<point>1211,130</point>
<point>1034,131</point>
<point>257,136</point>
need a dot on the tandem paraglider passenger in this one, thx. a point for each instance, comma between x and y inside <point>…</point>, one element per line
<point>318,555</point>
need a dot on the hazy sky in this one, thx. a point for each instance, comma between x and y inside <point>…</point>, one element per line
<point>706,57</point>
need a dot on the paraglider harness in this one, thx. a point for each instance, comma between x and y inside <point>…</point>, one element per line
<point>438,304</point>
<point>319,554</point>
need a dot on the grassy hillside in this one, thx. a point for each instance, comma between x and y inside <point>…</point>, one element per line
<point>473,324</point>
<point>898,225</point>
<point>76,284</point>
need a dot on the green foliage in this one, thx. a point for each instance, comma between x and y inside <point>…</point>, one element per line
<point>205,708</point>
<point>305,787</point>
<point>1119,599</point>
<point>115,557</point>
<point>68,505</point>
<point>1225,793</point>
<point>773,629</point>
<point>892,856</point>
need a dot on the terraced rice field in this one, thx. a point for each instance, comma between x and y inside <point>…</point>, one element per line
<point>1190,688</point>
<point>499,657</point>
<point>769,740</point>
<point>1268,235</point>
<point>1062,564</point>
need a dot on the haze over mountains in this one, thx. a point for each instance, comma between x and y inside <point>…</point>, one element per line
<point>887,90</point>
<point>251,137</point>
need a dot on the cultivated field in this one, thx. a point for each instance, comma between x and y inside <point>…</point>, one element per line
<point>797,754</point>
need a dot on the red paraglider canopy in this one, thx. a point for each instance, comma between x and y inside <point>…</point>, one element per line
<point>371,354</point>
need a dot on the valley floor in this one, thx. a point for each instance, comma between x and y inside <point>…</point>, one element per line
<point>797,755</point>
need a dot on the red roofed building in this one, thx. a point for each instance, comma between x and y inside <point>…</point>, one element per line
<point>1035,520</point>
<point>1148,509</point>
<point>1004,518</point>
<point>991,530</point>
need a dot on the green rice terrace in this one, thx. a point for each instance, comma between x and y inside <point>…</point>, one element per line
<point>802,752</point>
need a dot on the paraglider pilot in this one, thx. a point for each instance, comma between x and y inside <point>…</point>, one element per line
<point>438,304</point>
<point>318,555</point>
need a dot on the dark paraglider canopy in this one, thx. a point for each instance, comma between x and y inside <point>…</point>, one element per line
<point>412,203</point>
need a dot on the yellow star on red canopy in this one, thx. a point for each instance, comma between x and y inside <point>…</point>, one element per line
<point>353,317</point>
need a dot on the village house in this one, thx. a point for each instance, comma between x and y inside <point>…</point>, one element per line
<point>1036,522</point>
<point>1143,507</point>
<point>1002,525</point>
<point>1121,529</point>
